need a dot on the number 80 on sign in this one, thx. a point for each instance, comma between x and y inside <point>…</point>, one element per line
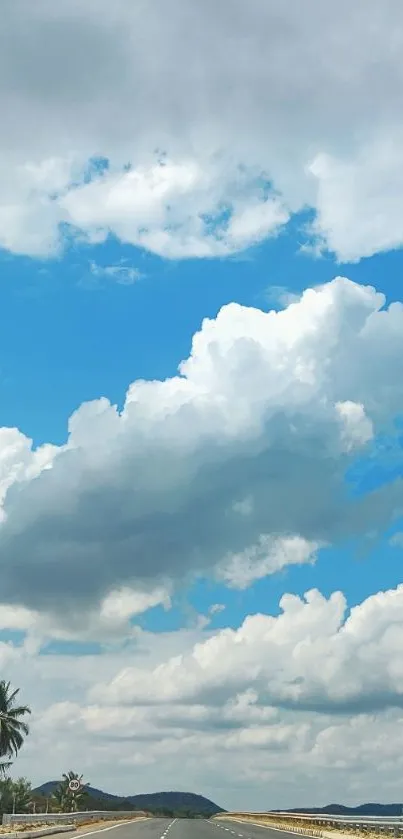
<point>74,785</point>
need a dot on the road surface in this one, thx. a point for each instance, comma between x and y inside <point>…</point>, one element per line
<point>235,830</point>
<point>180,829</point>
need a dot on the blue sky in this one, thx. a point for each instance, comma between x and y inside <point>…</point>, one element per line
<point>201,367</point>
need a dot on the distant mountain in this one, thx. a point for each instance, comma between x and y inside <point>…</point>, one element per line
<point>155,802</point>
<point>361,810</point>
<point>48,788</point>
<point>175,801</point>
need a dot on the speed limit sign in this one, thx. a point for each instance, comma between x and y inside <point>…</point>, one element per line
<point>74,785</point>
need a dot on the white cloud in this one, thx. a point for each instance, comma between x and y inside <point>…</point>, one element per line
<point>121,273</point>
<point>359,200</point>
<point>247,446</point>
<point>262,92</point>
<point>125,603</point>
<point>174,210</point>
<point>269,555</point>
<point>307,700</point>
<point>205,620</point>
<point>310,657</point>
<point>109,623</point>
<point>18,461</point>
<point>357,427</point>
<point>216,608</point>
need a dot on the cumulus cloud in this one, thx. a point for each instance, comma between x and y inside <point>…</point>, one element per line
<point>306,700</point>
<point>310,657</point>
<point>242,454</point>
<point>241,118</point>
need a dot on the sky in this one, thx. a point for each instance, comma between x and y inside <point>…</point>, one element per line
<point>201,381</point>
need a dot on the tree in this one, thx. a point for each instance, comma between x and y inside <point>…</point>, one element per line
<point>60,798</point>
<point>13,729</point>
<point>15,796</point>
<point>69,800</point>
<point>22,794</point>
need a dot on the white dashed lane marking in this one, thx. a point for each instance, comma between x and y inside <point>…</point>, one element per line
<point>163,835</point>
<point>262,827</point>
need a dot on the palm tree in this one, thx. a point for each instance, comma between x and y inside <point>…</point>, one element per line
<point>4,767</point>
<point>15,796</point>
<point>67,799</point>
<point>13,729</point>
<point>22,792</point>
<point>61,799</point>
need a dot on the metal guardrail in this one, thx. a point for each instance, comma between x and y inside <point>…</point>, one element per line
<point>377,824</point>
<point>330,817</point>
<point>70,818</point>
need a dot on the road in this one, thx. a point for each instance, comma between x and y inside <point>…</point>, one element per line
<point>181,829</point>
<point>235,830</point>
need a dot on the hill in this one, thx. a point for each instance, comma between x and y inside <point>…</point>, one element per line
<point>362,810</point>
<point>176,801</point>
<point>164,803</point>
<point>47,789</point>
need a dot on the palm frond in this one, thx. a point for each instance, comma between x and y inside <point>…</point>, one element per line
<point>13,729</point>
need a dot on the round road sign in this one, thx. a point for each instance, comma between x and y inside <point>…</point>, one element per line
<point>74,785</point>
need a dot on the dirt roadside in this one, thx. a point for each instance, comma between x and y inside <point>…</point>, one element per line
<point>22,830</point>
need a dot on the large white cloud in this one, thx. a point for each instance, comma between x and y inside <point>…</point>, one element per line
<point>206,108</point>
<point>240,458</point>
<point>310,657</point>
<point>304,703</point>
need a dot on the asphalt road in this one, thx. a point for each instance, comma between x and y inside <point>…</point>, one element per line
<point>182,829</point>
<point>244,830</point>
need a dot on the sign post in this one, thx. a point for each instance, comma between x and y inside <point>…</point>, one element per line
<point>74,786</point>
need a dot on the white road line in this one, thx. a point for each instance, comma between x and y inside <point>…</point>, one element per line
<point>278,829</point>
<point>111,827</point>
